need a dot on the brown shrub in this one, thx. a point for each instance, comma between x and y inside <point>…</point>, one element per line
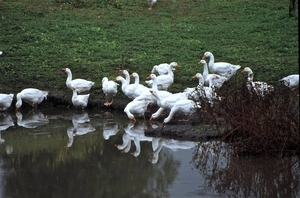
<point>258,125</point>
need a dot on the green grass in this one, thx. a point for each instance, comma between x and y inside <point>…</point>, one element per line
<point>39,38</point>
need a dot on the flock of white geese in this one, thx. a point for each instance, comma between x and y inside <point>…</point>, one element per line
<point>155,92</point>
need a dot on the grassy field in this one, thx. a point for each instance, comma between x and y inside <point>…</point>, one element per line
<point>39,38</point>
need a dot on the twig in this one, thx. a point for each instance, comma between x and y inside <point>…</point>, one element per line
<point>231,132</point>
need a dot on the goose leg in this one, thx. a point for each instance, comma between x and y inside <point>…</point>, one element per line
<point>112,100</point>
<point>106,103</point>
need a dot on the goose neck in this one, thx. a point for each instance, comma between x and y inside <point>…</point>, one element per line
<point>205,70</point>
<point>211,60</point>
<point>154,84</point>
<point>69,73</point>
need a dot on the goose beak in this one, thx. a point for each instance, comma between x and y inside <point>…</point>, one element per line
<point>148,77</point>
<point>204,57</point>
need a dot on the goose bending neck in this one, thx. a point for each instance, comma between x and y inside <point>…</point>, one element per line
<point>19,101</point>
<point>127,76</point>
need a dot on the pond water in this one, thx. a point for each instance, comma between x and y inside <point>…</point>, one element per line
<point>58,152</point>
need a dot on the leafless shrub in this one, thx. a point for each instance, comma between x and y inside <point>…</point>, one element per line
<point>259,125</point>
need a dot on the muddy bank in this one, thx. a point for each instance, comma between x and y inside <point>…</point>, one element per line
<point>175,129</point>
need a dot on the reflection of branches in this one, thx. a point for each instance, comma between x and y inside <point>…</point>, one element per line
<point>211,157</point>
<point>254,177</point>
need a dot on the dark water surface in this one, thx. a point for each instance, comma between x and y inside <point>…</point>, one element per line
<point>62,153</point>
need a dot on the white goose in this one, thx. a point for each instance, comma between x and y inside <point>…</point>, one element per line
<point>80,84</point>
<point>167,103</point>
<point>261,88</point>
<point>139,88</point>
<point>127,89</point>
<point>5,101</point>
<point>162,69</point>
<point>190,90</point>
<point>184,106</point>
<point>79,101</point>
<point>146,95</point>
<point>163,81</point>
<point>222,68</point>
<point>217,82</point>
<point>136,107</point>
<point>110,89</point>
<point>291,81</point>
<point>31,96</point>
<point>126,74</point>
<point>205,92</point>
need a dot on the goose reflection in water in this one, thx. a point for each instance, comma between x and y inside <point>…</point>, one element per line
<point>32,119</point>
<point>172,144</point>
<point>110,128</point>
<point>134,131</point>
<point>5,122</point>
<point>81,126</point>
